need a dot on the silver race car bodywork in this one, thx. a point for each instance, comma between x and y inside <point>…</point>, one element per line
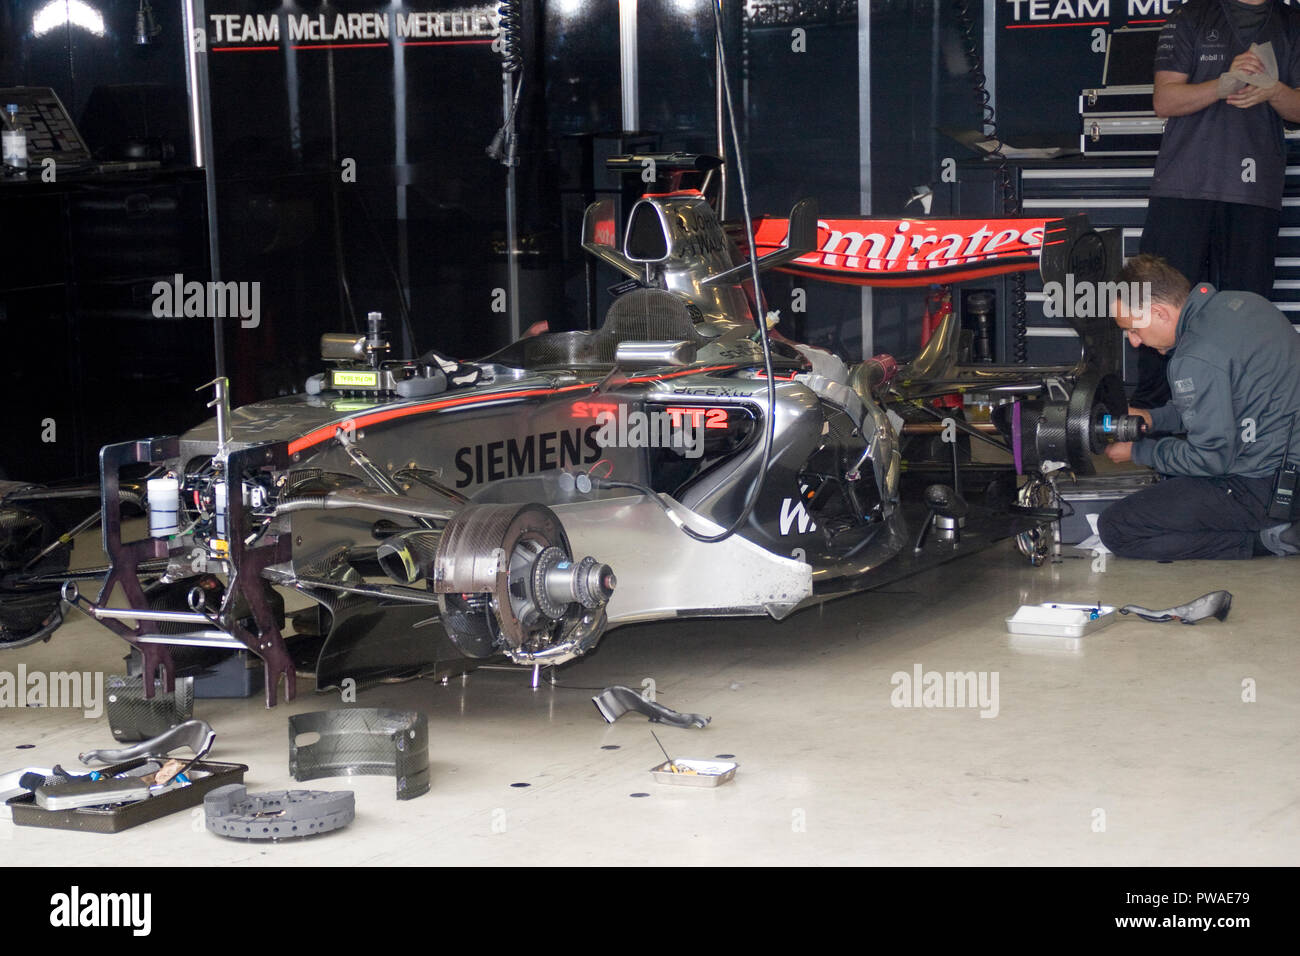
<point>439,513</point>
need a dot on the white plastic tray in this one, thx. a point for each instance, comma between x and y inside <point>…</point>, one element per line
<point>1060,620</point>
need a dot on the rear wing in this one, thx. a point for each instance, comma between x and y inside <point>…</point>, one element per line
<point>917,252</point>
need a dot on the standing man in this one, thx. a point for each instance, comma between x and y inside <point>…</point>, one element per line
<point>1217,191</point>
<point>1236,395</point>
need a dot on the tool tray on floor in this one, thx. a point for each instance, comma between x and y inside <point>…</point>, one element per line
<point>204,776</point>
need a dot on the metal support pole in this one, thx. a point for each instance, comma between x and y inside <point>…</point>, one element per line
<point>512,215</point>
<point>720,109</point>
<point>196,75</point>
<point>628,65</point>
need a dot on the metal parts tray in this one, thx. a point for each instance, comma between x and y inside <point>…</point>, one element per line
<point>708,773</point>
<point>115,819</point>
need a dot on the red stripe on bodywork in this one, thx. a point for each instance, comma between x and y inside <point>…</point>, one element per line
<point>687,371</point>
<point>374,418</point>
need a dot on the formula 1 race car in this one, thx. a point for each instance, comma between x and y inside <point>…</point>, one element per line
<point>673,462</point>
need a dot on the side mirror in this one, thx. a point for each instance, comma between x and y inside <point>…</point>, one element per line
<point>647,237</point>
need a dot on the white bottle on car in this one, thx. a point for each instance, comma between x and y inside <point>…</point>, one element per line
<point>15,140</point>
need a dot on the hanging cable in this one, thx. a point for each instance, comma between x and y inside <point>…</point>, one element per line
<point>504,145</point>
<point>769,432</point>
<point>513,59</point>
<point>1002,173</point>
<point>403,307</point>
<point>760,317</point>
<point>505,148</point>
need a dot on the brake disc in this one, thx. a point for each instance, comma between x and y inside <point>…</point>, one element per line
<point>490,549</point>
<point>1059,430</point>
<point>232,811</point>
<point>1094,395</point>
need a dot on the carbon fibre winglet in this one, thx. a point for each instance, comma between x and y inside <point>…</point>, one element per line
<point>1215,604</point>
<point>197,735</point>
<point>614,702</point>
<point>799,241</point>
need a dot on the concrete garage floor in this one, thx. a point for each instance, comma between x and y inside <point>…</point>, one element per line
<point>1136,749</point>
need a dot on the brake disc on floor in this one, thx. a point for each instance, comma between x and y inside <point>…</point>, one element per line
<point>232,811</point>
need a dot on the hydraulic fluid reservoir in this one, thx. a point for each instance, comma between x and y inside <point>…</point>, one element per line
<point>164,495</point>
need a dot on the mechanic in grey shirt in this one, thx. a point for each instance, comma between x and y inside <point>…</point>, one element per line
<point>1216,194</point>
<point>1236,390</point>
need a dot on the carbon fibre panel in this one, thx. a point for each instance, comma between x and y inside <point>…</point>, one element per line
<point>363,740</point>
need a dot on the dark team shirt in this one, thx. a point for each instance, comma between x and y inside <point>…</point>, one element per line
<point>1235,379</point>
<point>1204,155</point>
<point>1247,17</point>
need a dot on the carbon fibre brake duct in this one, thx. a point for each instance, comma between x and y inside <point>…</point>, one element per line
<point>614,702</point>
<point>1215,604</point>
<point>197,735</point>
<point>362,740</point>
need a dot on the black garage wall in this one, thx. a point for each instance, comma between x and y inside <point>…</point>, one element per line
<point>351,176</point>
<point>84,361</point>
<point>1049,50</point>
<point>80,48</point>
